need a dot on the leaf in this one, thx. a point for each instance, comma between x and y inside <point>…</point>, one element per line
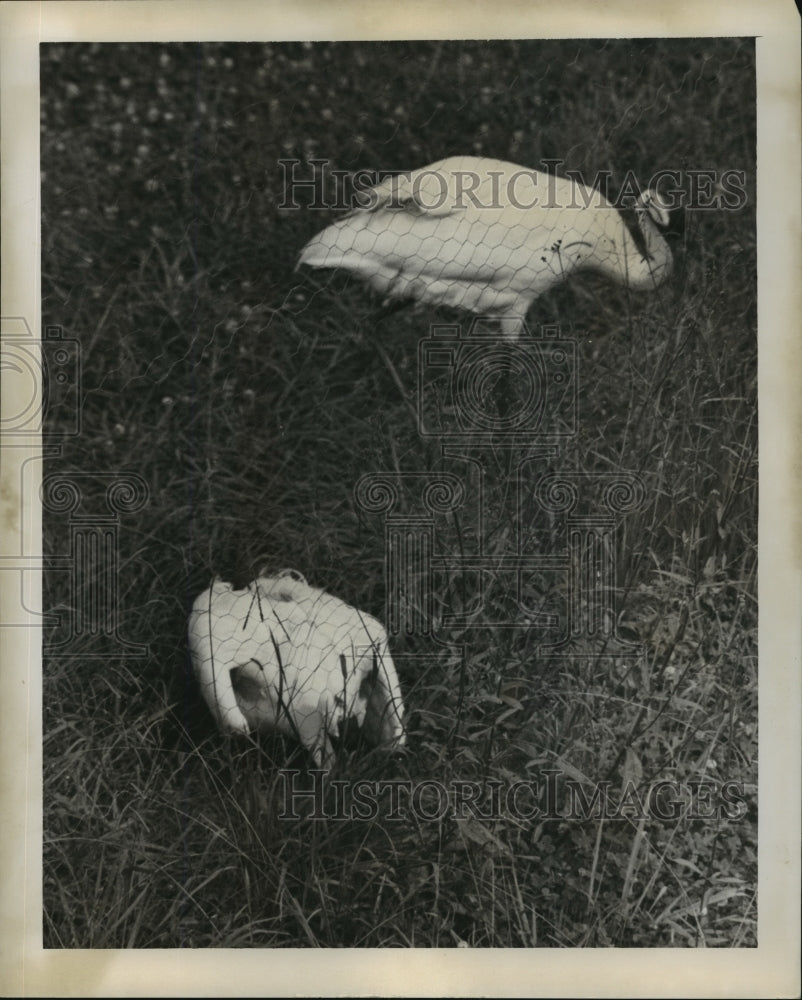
<point>688,864</point>
<point>572,772</point>
<point>632,771</point>
<point>471,829</point>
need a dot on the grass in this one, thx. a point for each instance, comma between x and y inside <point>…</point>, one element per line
<point>251,400</point>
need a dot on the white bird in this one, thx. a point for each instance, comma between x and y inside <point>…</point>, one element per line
<point>490,237</point>
<point>281,655</point>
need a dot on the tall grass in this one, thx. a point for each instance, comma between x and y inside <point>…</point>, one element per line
<point>251,399</point>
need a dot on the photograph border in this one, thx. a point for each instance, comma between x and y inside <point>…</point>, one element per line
<point>771,969</point>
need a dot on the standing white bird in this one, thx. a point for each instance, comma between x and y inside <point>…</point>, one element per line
<point>490,237</point>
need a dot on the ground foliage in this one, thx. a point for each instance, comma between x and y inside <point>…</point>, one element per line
<point>251,399</point>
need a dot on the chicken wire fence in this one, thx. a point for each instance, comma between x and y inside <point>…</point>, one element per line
<point>490,237</point>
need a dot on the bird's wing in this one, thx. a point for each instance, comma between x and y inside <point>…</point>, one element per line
<point>210,641</point>
<point>420,192</point>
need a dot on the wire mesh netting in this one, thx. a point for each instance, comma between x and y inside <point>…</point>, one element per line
<point>180,186</point>
<point>490,237</point>
<point>286,656</point>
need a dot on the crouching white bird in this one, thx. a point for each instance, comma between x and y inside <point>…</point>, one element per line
<point>281,655</point>
<point>490,237</point>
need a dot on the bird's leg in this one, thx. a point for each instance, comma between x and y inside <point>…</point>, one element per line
<point>502,392</point>
<point>511,326</point>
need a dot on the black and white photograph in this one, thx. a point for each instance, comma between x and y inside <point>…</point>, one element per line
<point>397,447</point>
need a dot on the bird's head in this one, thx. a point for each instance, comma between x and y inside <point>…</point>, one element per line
<point>669,216</point>
<point>657,207</point>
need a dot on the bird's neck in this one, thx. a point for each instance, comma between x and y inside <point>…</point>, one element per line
<point>648,259</point>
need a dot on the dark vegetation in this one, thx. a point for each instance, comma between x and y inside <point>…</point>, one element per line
<point>251,399</point>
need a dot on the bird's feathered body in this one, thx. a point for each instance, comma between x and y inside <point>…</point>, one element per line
<point>281,655</point>
<point>489,237</point>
